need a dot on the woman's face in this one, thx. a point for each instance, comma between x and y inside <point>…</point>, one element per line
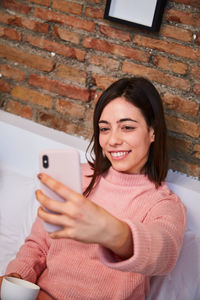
<point>124,136</point>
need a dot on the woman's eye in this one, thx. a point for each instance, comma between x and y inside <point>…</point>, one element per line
<point>128,128</point>
<point>103,129</point>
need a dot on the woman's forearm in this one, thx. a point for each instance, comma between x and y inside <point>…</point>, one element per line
<point>120,239</point>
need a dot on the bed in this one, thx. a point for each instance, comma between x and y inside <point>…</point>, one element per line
<point>21,141</point>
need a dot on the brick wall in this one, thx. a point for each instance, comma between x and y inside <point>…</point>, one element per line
<point>58,55</point>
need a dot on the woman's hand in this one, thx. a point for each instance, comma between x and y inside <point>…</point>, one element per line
<point>43,296</point>
<point>82,219</point>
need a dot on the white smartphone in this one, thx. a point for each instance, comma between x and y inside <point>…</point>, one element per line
<point>64,166</point>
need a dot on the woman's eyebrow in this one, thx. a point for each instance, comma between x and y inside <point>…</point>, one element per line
<point>126,119</point>
<point>120,121</point>
<point>104,122</point>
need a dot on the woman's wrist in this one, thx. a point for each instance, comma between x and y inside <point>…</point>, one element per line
<point>119,238</point>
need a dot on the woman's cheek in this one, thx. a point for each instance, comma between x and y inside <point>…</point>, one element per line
<point>102,141</point>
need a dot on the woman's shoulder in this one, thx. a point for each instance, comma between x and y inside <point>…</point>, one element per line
<point>164,192</point>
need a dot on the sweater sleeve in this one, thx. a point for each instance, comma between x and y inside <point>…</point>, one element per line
<point>157,240</point>
<point>30,260</point>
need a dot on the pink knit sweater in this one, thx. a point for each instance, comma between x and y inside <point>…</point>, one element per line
<point>68,269</point>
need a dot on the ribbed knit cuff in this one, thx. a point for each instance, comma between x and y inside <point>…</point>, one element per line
<point>137,263</point>
<point>23,270</point>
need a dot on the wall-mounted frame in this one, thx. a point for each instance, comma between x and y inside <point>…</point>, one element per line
<point>146,14</point>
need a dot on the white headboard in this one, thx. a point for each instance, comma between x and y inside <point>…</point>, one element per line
<point>21,141</point>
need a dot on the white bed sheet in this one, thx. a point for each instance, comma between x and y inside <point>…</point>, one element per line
<point>18,209</point>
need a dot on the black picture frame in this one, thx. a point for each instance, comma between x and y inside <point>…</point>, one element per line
<point>149,18</point>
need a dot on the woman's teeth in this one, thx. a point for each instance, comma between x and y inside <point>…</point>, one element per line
<point>118,154</point>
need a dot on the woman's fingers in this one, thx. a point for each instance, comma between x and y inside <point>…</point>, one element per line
<point>50,204</point>
<point>73,209</point>
<point>13,275</point>
<point>56,186</point>
<point>65,233</point>
<point>56,219</point>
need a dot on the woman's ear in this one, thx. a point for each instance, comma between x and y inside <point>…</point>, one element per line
<point>152,134</point>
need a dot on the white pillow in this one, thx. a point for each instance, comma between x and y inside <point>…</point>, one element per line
<point>18,209</point>
<point>183,282</point>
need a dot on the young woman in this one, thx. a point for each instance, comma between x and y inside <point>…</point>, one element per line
<point>127,226</point>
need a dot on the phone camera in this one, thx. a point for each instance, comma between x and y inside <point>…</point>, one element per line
<point>45,161</point>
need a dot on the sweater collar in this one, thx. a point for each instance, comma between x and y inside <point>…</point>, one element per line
<point>125,179</point>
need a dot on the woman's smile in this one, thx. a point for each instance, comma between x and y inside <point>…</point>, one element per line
<point>117,155</point>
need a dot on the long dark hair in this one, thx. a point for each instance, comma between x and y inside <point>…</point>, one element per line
<point>141,93</point>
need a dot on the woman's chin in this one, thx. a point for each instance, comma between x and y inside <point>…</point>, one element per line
<point>125,169</point>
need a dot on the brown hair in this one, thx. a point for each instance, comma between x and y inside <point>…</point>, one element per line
<point>142,94</point>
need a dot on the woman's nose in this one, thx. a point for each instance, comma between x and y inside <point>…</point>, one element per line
<point>115,138</point>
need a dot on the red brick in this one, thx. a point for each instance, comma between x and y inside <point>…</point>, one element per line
<point>71,73</point>
<point>193,170</point>
<point>182,17</point>
<point>94,1</point>
<point>179,146</point>
<point>67,35</point>
<point>75,22</point>
<point>197,88</point>
<point>56,122</point>
<point>66,107</point>
<point>103,82</point>
<point>59,88</point>
<point>31,96</point>
<point>195,71</point>
<point>183,126</point>
<point>156,75</point>
<point>67,6</point>
<point>41,2</point>
<point>84,132</point>
<point>88,118</point>
<point>28,59</point>
<point>55,47</point>
<point>194,3</point>
<point>185,167</point>
<point>173,48</point>
<point>23,22</point>
<point>97,95</point>
<point>10,33</point>
<point>4,17</point>
<point>19,109</point>
<point>180,104</point>
<point>197,41</point>
<point>104,62</point>
<point>12,73</point>
<point>94,12</point>
<point>115,49</point>
<point>170,65</point>
<point>17,6</point>
<point>176,33</point>
<point>2,102</point>
<point>115,33</point>
<point>86,129</point>
<point>197,151</point>
<point>4,86</point>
